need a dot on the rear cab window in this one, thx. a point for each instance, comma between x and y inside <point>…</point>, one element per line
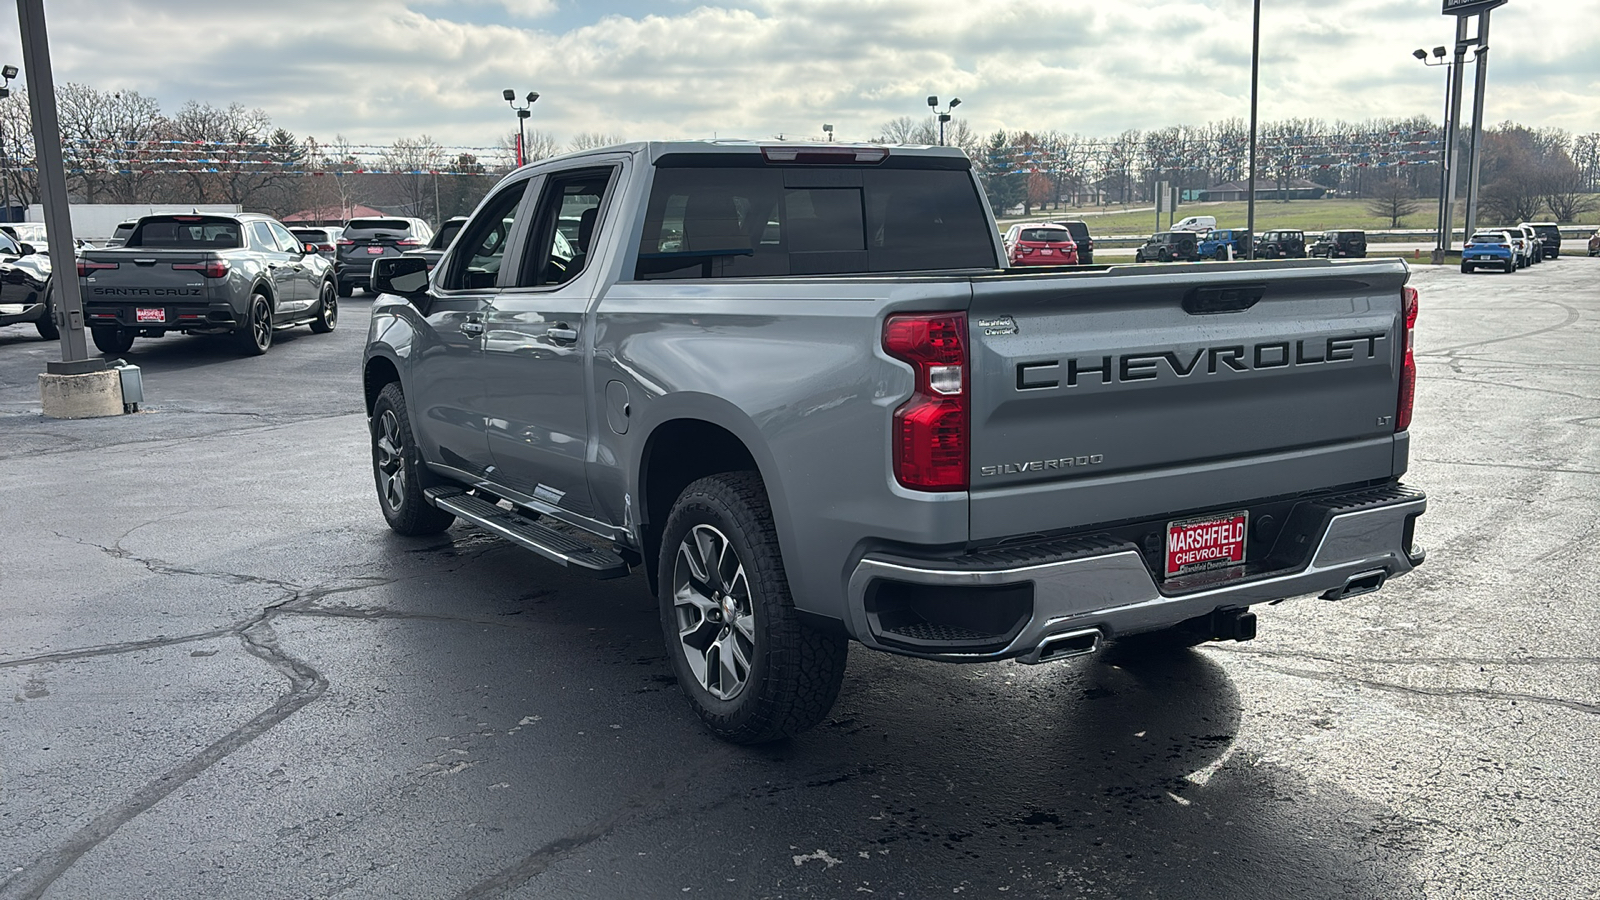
<point>186,233</point>
<point>745,218</point>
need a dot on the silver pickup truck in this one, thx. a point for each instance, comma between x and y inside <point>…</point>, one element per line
<point>797,387</point>
<point>241,275</point>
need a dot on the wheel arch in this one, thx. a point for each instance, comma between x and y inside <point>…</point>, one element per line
<point>377,372</point>
<point>679,451</point>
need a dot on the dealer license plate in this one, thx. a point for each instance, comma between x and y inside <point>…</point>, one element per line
<point>375,251</point>
<point>148,314</point>
<point>1211,542</point>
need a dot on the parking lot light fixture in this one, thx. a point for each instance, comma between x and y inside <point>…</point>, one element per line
<point>522,118</point>
<point>1442,240</point>
<point>944,116</point>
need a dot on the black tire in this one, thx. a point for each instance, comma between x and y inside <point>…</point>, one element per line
<point>1138,256</point>
<point>396,465</point>
<point>253,336</point>
<point>1466,269</point>
<point>328,310</point>
<point>1222,254</point>
<point>47,322</point>
<point>783,675</point>
<point>346,290</point>
<point>112,339</point>
<point>1163,256</point>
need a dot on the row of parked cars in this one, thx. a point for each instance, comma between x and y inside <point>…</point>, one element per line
<point>1236,243</point>
<point>1513,247</point>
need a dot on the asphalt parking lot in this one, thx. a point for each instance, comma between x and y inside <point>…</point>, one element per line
<point>228,679</point>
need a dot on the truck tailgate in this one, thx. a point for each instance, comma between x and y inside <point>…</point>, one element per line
<point>1114,395</point>
<point>149,275</point>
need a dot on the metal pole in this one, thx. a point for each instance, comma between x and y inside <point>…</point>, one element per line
<point>522,141</point>
<point>5,165</point>
<point>1255,77</point>
<point>1442,242</point>
<point>1454,137</point>
<point>75,359</point>
<point>1481,67</point>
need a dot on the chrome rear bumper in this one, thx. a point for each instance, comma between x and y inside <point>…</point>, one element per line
<point>1105,585</point>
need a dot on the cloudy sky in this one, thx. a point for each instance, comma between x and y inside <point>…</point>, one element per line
<point>376,70</point>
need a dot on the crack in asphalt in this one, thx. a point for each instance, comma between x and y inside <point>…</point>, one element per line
<point>1592,709</point>
<point>1572,316</point>
<point>537,862</point>
<point>87,443</point>
<point>306,685</point>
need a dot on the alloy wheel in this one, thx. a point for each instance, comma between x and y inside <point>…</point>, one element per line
<point>390,460</point>
<point>715,614</point>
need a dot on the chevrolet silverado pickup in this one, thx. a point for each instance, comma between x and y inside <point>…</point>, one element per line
<point>242,275</point>
<point>797,385</point>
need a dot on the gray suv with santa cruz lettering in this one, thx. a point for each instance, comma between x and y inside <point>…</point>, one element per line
<point>796,385</point>
<point>244,276</point>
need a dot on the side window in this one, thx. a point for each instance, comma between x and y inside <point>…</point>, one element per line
<point>261,237</point>
<point>287,241</point>
<point>564,232</point>
<point>482,248</point>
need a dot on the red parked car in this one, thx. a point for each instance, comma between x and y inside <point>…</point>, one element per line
<point>1040,244</point>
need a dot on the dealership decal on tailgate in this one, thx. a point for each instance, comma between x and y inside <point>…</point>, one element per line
<point>146,314</point>
<point>1212,542</point>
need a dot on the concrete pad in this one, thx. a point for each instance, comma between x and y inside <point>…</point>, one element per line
<point>85,396</point>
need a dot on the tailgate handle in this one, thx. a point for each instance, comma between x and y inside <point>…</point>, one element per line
<point>1202,301</point>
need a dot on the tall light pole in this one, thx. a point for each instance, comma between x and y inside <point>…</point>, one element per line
<point>933,104</point>
<point>828,130</point>
<point>8,72</point>
<point>1255,79</point>
<point>1442,243</point>
<point>522,117</point>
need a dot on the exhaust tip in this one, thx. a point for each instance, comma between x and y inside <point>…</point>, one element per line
<point>1363,583</point>
<point>1065,646</point>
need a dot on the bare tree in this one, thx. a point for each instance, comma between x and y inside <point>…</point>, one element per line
<point>1393,199</point>
<point>590,140</point>
<point>16,145</point>
<point>414,164</point>
<point>1562,187</point>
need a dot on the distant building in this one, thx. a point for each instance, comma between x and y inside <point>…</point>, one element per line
<point>1266,189</point>
<point>332,215</point>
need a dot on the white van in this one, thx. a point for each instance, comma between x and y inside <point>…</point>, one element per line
<point>1195,223</point>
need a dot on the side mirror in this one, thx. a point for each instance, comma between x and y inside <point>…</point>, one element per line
<point>26,250</point>
<point>404,275</point>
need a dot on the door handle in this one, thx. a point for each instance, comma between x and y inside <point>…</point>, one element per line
<point>561,334</point>
<point>471,327</point>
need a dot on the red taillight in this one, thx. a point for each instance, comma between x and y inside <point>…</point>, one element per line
<point>211,268</point>
<point>930,429</point>
<point>1408,363</point>
<point>324,246</point>
<point>407,242</point>
<point>346,242</point>
<point>85,267</point>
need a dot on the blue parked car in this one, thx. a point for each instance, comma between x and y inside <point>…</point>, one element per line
<point>1489,248</point>
<point>1214,244</point>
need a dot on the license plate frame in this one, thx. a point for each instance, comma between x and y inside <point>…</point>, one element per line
<point>374,251</point>
<point>155,314</point>
<point>1188,548</point>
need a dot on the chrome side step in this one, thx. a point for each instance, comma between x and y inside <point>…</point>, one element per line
<point>556,546</point>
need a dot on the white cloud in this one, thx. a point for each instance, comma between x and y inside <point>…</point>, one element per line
<point>388,68</point>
